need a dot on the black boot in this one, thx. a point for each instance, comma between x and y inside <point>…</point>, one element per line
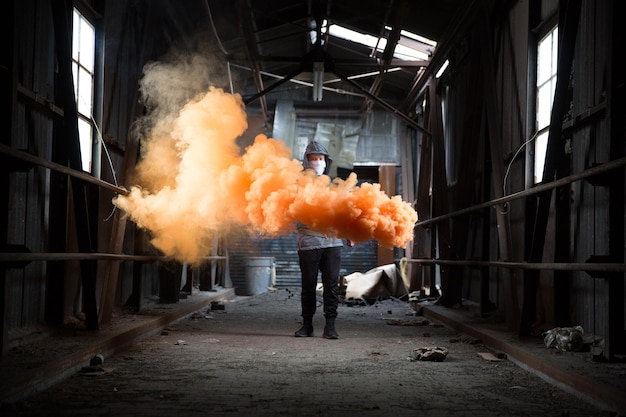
<point>307,328</point>
<point>329,330</point>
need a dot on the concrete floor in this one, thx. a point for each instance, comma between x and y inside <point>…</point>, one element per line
<point>215,353</point>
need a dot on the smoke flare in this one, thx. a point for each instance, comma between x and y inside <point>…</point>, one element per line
<point>193,181</point>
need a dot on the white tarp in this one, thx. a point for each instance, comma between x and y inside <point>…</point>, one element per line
<point>380,282</point>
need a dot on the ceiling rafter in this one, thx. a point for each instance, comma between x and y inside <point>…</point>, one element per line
<point>246,27</point>
<point>275,44</point>
<point>397,11</point>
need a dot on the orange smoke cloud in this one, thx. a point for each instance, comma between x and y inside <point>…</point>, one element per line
<point>193,181</point>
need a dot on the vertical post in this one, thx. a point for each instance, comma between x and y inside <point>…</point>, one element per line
<point>450,285</point>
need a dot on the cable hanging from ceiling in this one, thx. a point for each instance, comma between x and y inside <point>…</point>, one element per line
<point>219,42</point>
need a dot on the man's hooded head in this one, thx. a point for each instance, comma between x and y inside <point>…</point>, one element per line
<point>316,148</point>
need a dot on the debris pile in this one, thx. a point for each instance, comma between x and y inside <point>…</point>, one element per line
<point>429,353</point>
<point>564,338</point>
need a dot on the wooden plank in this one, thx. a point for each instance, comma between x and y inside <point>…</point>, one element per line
<point>488,356</point>
<point>116,242</point>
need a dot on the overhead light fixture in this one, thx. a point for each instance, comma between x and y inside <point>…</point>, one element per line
<point>318,80</point>
<point>442,69</point>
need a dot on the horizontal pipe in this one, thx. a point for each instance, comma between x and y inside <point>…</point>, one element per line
<point>586,267</point>
<point>36,160</point>
<point>351,62</point>
<point>27,257</point>
<point>605,167</point>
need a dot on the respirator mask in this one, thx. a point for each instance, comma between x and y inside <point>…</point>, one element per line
<point>318,166</point>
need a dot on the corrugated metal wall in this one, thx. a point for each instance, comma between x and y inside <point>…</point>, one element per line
<point>360,258</point>
<point>29,186</point>
<point>591,145</point>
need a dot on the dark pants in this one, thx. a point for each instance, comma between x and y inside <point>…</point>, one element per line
<point>328,262</point>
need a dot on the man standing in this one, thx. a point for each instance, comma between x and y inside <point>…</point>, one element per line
<point>318,253</point>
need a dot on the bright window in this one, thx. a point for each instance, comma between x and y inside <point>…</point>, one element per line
<point>546,83</point>
<point>410,45</point>
<point>83,64</point>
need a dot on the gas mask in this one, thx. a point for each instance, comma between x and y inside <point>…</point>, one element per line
<point>318,166</point>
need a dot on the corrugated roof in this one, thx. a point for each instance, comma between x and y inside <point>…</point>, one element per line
<point>269,42</point>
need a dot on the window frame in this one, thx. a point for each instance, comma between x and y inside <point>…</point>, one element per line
<point>545,87</point>
<point>85,77</point>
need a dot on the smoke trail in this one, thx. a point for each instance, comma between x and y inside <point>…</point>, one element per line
<point>193,181</point>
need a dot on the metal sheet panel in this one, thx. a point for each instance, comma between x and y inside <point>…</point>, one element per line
<point>359,258</point>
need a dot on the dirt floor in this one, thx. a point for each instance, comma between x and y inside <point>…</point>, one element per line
<point>239,357</point>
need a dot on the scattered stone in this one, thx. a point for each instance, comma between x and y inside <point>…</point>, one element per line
<point>429,353</point>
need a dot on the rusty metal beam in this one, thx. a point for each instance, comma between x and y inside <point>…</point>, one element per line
<point>278,83</point>
<point>371,62</point>
<point>589,173</point>
<point>81,175</point>
<point>588,267</point>
<point>32,257</point>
